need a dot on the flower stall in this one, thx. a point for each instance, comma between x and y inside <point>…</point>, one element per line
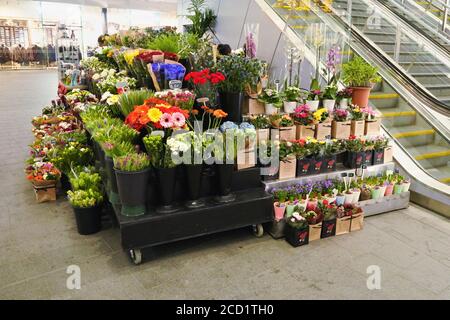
<point>161,143</point>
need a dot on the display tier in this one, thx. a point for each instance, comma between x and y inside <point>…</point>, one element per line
<point>252,206</point>
<point>369,171</point>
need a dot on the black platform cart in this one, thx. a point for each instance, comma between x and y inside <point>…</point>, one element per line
<point>251,207</point>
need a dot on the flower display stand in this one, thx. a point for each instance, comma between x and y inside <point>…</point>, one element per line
<point>252,207</point>
<point>370,207</point>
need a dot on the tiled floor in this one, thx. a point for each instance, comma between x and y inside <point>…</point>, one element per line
<point>39,241</point>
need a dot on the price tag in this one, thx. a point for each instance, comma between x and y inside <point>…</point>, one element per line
<point>175,84</point>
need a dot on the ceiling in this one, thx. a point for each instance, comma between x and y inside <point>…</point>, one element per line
<point>153,5</point>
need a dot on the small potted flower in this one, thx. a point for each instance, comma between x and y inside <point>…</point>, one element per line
<point>343,97</point>
<point>343,220</point>
<point>279,206</point>
<point>331,149</point>
<point>377,192</point>
<point>329,220</point>
<point>406,183</point>
<point>304,122</point>
<point>357,218</point>
<point>285,125</point>
<point>261,122</point>
<point>291,96</point>
<point>372,121</point>
<point>356,190</point>
<point>313,99</point>
<point>43,176</point>
<point>340,196</point>
<point>86,205</point>
<point>366,193</point>
<point>132,174</point>
<point>355,156</point>
<point>328,187</point>
<point>323,124</point>
<point>341,125</point>
<point>314,219</point>
<point>288,162</point>
<point>360,77</point>
<point>272,100</point>
<point>329,98</point>
<point>297,229</point>
<point>357,121</point>
<point>390,183</point>
<point>380,143</point>
<point>301,153</point>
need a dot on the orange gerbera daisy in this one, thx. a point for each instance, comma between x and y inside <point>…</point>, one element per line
<point>219,113</point>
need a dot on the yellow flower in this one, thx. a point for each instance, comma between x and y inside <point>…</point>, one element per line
<point>129,55</point>
<point>154,114</point>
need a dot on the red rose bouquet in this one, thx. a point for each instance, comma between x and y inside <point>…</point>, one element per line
<point>205,84</point>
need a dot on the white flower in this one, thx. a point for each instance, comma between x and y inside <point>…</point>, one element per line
<point>104,74</point>
<point>238,51</point>
<point>111,72</point>
<point>289,144</point>
<point>106,95</point>
<point>96,76</point>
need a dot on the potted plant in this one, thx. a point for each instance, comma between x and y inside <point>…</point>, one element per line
<point>357,121</point>
<point>329,219</point>
<point>316,155</point>
<point>372,121</point>
<point>86,205</point>
<point>160,154</point>
<point>355,156</point>
<point>43,176</point>
<point>272,100</point>
<point>406,183</point>
<point>357,219</point>
<point>332,63</point>
<point>329,98</point>
<point>291,96</point>
<point>314,95</point>
<point>314,219</point>
<point>360,77</point>
<point>297,229</point>
<point>377,192</point>
<point>279,206</point>
<point>366,193</point>
<point>304,121</point>
<point>356,190</point>
<point>189,147</point>
<point>343,220</point>
<point>343,97</point>
<point>379,144</point>
<point>323,124</point>
<point>341,125</point>
<point>328,187</point>
<point>288,162</point>
<point>240,72</point>
<point>261,122</point>
<point>205,84</point>
<point>132,174</point>
<point>285,124</point>
<point>368,145</point>
<point>331,149</point>
<point>301,153</point>
<point>340,196</point>
<point>114,149</point>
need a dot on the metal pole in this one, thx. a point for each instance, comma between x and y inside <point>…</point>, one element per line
<point>445,17</point>
<point>398,40</point>
<point>105,20</point>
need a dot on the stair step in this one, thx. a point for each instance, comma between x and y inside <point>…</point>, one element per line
<point>383,96</point>
<point>393,114</point>
<point>414,133</point>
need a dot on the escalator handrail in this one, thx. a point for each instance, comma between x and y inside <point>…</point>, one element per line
<point>418,90</point>
<point>435,32</point>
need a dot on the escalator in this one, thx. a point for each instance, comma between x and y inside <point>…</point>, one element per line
<point>431,18</point>
<point>424,61</point>
<point>422,143</point>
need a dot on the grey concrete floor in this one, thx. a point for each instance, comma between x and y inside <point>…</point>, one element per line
<point>39,241</point>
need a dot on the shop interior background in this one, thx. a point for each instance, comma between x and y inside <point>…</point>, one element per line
<point>30,31</point>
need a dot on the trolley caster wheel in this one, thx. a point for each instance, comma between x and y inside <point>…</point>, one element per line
<point>136,256</point>
<point>258,230</point>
